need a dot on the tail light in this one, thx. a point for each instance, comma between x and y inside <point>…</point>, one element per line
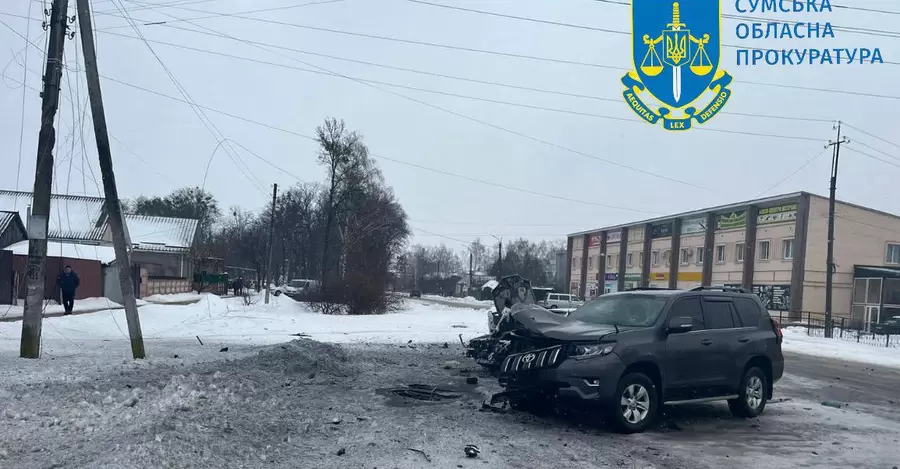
<point>779,337</point>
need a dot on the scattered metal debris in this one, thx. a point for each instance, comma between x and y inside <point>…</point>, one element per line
<point>427,458</point>
<point>471,451</point>
<point>423,392</point>
<point>198,339</point>
<point>836,405</point>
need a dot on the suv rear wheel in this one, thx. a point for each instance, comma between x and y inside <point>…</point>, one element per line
<point>752,400</point>
<point>635,404</point>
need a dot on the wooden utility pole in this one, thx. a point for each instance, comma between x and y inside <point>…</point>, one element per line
<point>271,236</point>
<point>39,218</point>
<point>829,262</point>
<point>111,193</point>
<point>471,272</point>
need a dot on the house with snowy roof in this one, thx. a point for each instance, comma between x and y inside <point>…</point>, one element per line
<point>79,235</point>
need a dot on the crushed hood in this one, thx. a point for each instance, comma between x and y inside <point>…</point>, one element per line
<point>541,321</point>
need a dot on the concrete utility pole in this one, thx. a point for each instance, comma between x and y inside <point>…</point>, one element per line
<point>110,192</point>
<point>38,220</point>
<point>829,274</point>
<point>271,235</point>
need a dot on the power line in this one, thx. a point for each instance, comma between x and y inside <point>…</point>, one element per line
<point>479,121</point>
<point>524,56</point>
<point>870,135</point>
<point>857,142</point>
<point>375,155</point>
<point>849,29</point>
<point>481,99</point>
<point>210,126</point>
<point>421,72</point>
<point>887,162</point>
<point>24,96</point>
<point>794,172</point>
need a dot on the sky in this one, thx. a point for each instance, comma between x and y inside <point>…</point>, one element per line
<point>512,163</point>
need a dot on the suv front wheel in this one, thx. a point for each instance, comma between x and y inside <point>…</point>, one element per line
<point>752,398</point>
<point>635,404</point>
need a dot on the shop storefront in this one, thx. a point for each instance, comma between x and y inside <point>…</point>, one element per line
<point>632,281</point>
<point>876,296</point>
<point>611,283</point>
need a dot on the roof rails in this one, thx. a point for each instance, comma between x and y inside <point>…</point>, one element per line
<point>648,288</point>
<point>723,289</point>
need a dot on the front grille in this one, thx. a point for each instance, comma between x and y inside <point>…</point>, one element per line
<point>533,360</point>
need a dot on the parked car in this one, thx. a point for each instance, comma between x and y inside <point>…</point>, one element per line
<point>632,352</point>
<point>415,294</point>
<point>560,301</point>
<point>296,287</point>
<point>891,326</point>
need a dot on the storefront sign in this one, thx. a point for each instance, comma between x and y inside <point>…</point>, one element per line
<point>774,297</point>
<point>659,276</point>
<point>632,277</point>
<point>613,237</point>
<point>781,214</point>
<point>693,225</point>
<point>595,241</point>
<point>662,230</point>
<point>690,276</point>
<point>731,220</point>
<point>611,277</point>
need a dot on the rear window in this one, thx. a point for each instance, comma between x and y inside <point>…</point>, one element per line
<point>748,311</point>
<point>717,314</point>
<point>621,310</point>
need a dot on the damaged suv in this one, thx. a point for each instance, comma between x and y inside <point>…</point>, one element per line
<point>633,351</point>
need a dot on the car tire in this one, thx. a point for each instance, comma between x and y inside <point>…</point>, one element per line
<point>276,292</point>
<point>752,394</point>
<point>553,307</point>
<point>635,405</point>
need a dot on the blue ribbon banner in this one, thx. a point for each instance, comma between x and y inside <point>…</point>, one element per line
<point>645,112</point>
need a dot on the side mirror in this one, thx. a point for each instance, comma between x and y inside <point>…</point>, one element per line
<point>681,324</point>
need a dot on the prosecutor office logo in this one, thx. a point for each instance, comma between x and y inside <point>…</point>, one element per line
<point>676,47</point>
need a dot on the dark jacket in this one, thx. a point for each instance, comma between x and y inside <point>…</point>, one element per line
<point>68,282</point>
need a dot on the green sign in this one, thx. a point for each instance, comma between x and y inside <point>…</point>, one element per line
<point>731,220</point>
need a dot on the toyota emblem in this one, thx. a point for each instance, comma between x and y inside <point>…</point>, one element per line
<point>528,358</point>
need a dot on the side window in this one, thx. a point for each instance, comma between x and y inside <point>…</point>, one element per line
<point>718,314</point>
<point>689,307</point>
<point>748,311</point>
<point>552,297</point>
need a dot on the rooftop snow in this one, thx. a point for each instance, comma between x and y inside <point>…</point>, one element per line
<point>161,233</point>
<point>74,217</point>
<point>104,254</point>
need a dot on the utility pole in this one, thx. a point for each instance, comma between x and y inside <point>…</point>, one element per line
<point>829,274</point>
<point>499,257</point>
<point>471,272</point>
<point>39,218</point>
<point>271,235</point>
<point>110,192</point>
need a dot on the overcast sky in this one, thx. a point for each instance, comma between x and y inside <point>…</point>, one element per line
<point>160,143</point>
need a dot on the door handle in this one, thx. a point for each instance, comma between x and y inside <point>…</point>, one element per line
<point>743,339</point>
<point>706,342</point>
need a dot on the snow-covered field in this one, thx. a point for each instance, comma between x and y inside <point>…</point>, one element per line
<point>463,301</point>
<point>230,321</point>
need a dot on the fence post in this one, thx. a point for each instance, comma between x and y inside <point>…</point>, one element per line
<point>858,332</point>
<point>887,340</point>
<point>808,323</point>
<point>842,327</point>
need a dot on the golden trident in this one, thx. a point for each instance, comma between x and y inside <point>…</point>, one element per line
<point>676,50</point>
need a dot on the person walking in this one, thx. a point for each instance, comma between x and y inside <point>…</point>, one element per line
<point>68,282</point>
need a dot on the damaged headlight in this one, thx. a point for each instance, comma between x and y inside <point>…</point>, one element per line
<point>592,350</point>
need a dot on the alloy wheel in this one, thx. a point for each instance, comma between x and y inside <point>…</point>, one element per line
<point>635,403</point>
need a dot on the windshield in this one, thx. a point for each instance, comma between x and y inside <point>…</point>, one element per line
<point>297,283</point>
<point>621,310</point>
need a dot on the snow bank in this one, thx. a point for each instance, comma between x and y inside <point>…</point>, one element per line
<point>52,307</point>
<point>796,340</point>
<point>464,301</point>
<point>174,298</point>
<point>230,321</point>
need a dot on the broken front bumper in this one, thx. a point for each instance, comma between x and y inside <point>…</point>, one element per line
<point>589,379</point>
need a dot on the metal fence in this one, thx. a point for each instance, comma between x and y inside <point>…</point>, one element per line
<point>842,328</point>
